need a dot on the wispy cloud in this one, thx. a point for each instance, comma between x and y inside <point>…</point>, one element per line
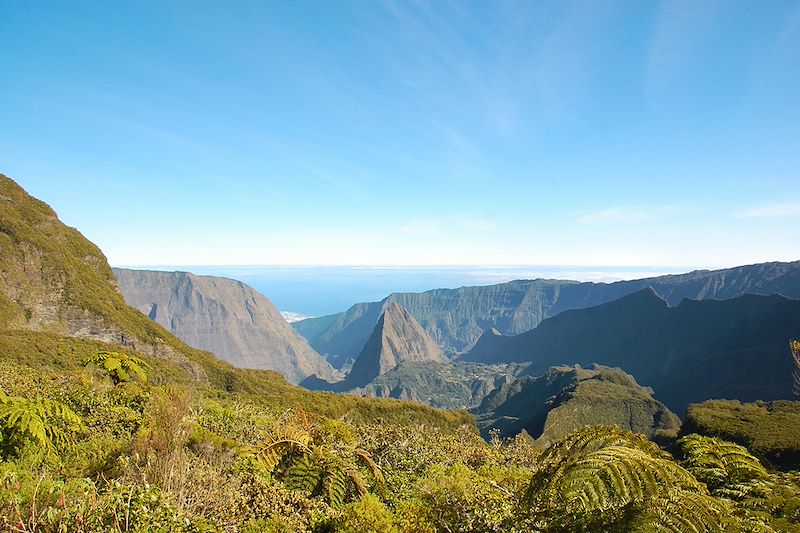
<point>440,225</point>
<point>620,214</point>
<point>781,210</point>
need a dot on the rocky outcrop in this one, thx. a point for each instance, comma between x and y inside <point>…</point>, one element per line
<point>396,338</point>
<point>550,406</point>
<point>223,316</point>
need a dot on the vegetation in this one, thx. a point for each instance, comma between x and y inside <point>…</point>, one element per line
<point>147,456</point>
<point>120,367</point>
<point>550,406</point>
<point>771,430</point>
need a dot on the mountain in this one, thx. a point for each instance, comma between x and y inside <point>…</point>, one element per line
<point>59,304</point>
<point>225,317</point>
<point>54,281</point>
<point>551,406</point>
<point>456,318</point>
<point>443,385</point>
<point>701,349</point>
<point>396,338</point>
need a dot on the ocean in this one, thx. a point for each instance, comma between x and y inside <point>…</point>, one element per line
<point>317,291</point>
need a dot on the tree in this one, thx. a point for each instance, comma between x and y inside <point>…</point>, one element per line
<point>119,366</point>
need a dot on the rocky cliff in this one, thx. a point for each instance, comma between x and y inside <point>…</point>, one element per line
<point>223,316</point>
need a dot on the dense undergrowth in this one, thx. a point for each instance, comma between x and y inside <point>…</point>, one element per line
<point>85,454</point>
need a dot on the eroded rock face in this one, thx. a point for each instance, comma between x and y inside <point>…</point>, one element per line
<point>225,317</point>
<point>397,337</point>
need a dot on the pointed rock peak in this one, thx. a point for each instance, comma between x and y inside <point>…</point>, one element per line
<point>646,296</point>
<point>396,338</point>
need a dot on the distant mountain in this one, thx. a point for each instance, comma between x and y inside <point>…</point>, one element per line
<point>442,385</point>
<point>396,338</point>
<point>223,316</point>
<point>735,349</point>
<point>550,406</point>
<point>455,318</point>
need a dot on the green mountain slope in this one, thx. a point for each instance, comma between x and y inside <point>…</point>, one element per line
<point>397,338</point>
<point>734,349</point>
<point>455,318</point>
<point>551,406</point>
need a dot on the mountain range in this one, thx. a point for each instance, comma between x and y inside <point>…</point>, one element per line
<point>456,318</point>
<point>701,349</point>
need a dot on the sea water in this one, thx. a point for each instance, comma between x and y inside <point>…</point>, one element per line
<point>317,291</point>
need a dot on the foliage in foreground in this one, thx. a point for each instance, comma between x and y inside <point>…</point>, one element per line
<point>170,457</point>
<point>770,430</point>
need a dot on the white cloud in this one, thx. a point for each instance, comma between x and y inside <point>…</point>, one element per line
<point>770,211</point>
<point>619,214</point>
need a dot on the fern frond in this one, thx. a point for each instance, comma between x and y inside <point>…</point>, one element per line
<point>719,463</point>
<point>47,422</point>
<point>685,511</point>
<point>617,476</point>
<point>364,458</point>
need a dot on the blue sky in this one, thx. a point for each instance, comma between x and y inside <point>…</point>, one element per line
<point>410,133</point>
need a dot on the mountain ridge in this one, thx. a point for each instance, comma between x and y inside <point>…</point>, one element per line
<point>456,318</point>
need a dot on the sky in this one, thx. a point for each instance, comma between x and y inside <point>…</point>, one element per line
<point>410,132</point>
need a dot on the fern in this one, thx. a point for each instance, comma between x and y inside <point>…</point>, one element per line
<point>119,366</point>
<point>45,422</point>
<point>315,462</point>
<point>683,512</point>
<point>560,459</point>
<point>720,464</point>
<point>616,476</point>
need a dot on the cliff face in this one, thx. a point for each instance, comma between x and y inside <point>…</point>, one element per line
<point>456,318</point>
<point>550,406</point>
<point>223,316</point>
<point>396,338</point>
